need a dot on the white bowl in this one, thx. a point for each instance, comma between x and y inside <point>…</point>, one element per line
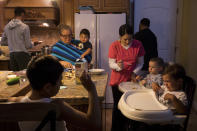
<point>96,71</point>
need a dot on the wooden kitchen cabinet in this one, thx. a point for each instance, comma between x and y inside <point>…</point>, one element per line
<point>96,4</point>
<point>115,5</point>
<point>104,5</point>
<point>67,12</point>
<point>69,7</point>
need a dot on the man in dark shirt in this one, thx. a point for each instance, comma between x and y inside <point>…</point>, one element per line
<point>149,41</point>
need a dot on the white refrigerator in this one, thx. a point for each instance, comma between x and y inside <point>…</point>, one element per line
<point>104,29</point>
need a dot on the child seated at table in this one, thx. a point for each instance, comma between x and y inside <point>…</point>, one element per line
<point>171,92</point>
<point>156,66</point>
<point>45,75</point>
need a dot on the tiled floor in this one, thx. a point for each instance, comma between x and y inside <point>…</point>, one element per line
<point>107,114</point>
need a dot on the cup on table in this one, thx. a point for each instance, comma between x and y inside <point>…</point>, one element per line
<point>22,80</point>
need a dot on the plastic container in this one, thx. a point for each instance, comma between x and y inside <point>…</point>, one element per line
<point>79,68</point>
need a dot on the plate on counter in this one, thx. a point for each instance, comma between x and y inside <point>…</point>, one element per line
<point>96,71</point>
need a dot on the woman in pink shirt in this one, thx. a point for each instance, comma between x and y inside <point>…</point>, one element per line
<point>126,58</point>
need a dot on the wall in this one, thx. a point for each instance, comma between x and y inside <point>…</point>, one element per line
<point>186,53</point>
<point>1,15</point>
<point>48,35</point>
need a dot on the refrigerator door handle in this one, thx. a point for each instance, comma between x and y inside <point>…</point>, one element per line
<point>98,53</point>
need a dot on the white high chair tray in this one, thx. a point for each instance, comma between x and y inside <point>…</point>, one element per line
<point>129,86</point>
<point>143,106</point>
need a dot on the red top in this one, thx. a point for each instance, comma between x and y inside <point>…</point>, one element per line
<point>128,56</point>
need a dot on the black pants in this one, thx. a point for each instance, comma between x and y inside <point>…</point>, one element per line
<point>19,60</point>
<point>119,122</point>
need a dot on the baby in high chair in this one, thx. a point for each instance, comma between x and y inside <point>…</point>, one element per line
<point>171,92</point>
<point>156,66</point>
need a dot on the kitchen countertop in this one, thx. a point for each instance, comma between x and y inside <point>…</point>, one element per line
<point>4,58</point>
<point>7,91</point>
<point>74,94</point>
<point>77,94</point>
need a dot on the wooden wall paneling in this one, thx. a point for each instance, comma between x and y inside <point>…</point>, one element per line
<point>67,12</point>
<point>2,17</point>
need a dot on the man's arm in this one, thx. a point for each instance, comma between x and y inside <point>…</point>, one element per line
<point>28,43</point>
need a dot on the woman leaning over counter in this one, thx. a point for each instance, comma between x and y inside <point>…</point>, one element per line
<point>126,58</point>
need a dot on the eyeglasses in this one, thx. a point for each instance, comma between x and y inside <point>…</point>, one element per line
<point>66,36</point>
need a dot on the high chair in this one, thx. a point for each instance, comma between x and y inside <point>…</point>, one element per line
<point>180,122</point>
<point>15,112</point>
<point>189,89</point>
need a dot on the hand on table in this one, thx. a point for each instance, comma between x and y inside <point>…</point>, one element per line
<point>66,64</point>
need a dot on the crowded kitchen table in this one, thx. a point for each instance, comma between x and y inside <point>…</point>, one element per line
<point>71,92</point>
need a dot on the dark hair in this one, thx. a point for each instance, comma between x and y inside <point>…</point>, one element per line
<point>145,21</point>
<point>85,32</point>
<point>176,71</point>
<point>18,11</point>
<point>42,70</point>
<point>63,27</point>
<point>158,60</point>
<point>125,29</point>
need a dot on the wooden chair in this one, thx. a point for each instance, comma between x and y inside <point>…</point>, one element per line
<point>190,87</point>
<point>44,112</point>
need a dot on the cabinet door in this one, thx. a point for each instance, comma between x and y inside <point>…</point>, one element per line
<point>67,12</point>
<point>115,5</point>
<point>94,3</point>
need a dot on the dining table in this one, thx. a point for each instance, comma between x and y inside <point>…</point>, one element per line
<point>70,91</point>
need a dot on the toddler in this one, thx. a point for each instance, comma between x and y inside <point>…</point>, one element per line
<point>84,43</point>
<point>171,92</point>
<point>156,66</point>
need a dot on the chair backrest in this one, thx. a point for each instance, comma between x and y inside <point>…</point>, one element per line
<point>44,112</point>
<point>189,89</point>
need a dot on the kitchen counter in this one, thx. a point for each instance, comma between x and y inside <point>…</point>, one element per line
<point>74,94</point>
<point>7,91</point>
<point>4,62</point>
<point>4,58</point>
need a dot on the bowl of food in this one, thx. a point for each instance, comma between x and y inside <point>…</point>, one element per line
<point>96,71</point>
